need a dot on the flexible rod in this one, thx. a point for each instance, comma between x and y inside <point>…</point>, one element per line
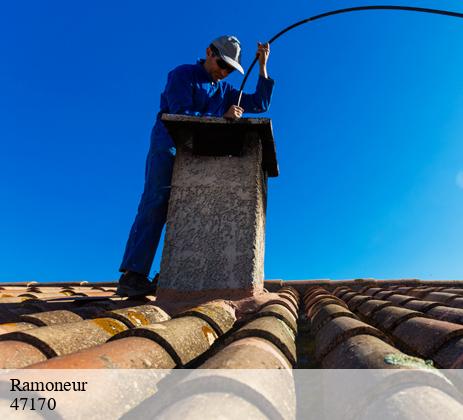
<point>338,12</point>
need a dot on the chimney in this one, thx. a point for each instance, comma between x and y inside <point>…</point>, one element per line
<point>215,232</point>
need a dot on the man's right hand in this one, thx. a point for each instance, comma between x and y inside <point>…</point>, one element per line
<point>234,112</point>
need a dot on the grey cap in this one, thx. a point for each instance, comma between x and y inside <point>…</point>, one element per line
<point>230,50</point>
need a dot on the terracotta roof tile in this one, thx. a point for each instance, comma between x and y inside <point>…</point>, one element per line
<point>291,291</point>
<point>314,307</point>
<point>219,315</point>
<point>383,294</point>
<point>340,329</point>
<point>138,316</point>
<point>418,292</point>
<point>125,353</point>
<point>57,340</point>
<point>450,355</point>
<point>403,289</point>
<point>273,330</point>
<point>423,318</point>
<point>314,294</point>
<point>340,290</point>
<point>357,301</point>
<point>400,300</point>
<point>371,291</point>
<point>349,295</point>
<point>17,354</point>
<point>280,312</point>
<point>364,352</point>
<point>368,308</point>
<point>445,313</point>
<point>453,290</point>
<point>421,305</point>
<point>9,327</point>
<point>248,353</point>
<point>426,336</point>
<point>286,302</point>
<point>440,297</point>
<point>457,303</point>
<point>184,339</point>
<point>43,319</point>
<point>327,313</point>
<point>391,316</point>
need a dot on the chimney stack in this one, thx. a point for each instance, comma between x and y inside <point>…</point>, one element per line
<point>215,232</point>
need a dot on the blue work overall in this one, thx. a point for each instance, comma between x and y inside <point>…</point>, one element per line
<point>189,91</point>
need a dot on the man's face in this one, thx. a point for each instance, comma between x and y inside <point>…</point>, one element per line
<point>214,66</point>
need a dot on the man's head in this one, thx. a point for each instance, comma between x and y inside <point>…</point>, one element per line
<point>223,56</point>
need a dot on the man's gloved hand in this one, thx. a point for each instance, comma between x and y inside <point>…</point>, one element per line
<point>263,51</point>
<point>234,112</point>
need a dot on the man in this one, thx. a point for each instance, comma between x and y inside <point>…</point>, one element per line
<point>191,90</point>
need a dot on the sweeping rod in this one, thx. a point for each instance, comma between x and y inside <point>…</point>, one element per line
<point>338,12</point>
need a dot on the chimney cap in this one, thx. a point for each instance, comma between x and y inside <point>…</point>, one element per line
<point>202,127</point>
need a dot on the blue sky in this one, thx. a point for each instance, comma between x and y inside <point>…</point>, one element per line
<point>367,114</point>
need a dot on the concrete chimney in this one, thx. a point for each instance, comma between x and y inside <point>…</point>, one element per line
<point>215,232</point>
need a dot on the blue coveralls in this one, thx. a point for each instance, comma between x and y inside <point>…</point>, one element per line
<point>189,91</point>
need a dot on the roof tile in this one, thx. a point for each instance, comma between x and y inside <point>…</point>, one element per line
<point>384,294</point>
<point>340,290</point>
<point>63,339</point>
<point>358,300</point>
<point>291,291</point>
<point>314,294</point>
<point>138,316</point>
<point>425,336</point>
<point>126,353</point>
<point>440,297</point>
<point>364,352</point>
<point>446,313</point>
<point>327,313</point>
<point>9,327</point>
<point>417,291</point>
<point>324,300</point>
<point>348,296</point>
<point>389,317</point>
<point>183,338</point>
<point>372,291</point>
<point>280,312</point>
<point>219,315</point>
<point>369,307</point>
<point>450,355</point>
<point>58,317</point>
<point>286,302</point>
<point>338,330</point>
<point>421,305</point>
<point>248,353</point>
<point>273,330</point>
<point>400,300</point>
<point>16,354</point>
<point>457,303</point>
<point>455,290</point>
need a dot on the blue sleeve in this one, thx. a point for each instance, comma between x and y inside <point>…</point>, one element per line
<point>256,102</point>
<point>179,92</point>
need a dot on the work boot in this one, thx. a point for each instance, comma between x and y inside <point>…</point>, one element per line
<point>132,284</point>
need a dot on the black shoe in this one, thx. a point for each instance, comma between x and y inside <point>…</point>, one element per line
<point>133,284</point>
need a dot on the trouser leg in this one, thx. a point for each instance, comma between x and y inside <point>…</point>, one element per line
<point>152,213</point>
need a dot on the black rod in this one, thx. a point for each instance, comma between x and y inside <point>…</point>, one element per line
<point>338,12</point>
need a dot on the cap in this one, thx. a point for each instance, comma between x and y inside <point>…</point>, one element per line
<point>230,51</point>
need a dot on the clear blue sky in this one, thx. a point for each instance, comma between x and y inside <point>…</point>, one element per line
<point>367,114</point>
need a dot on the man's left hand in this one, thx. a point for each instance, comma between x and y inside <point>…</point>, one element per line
<point>263,51</point>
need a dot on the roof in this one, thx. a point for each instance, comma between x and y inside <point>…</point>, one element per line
<point>364,323</point>
<point>417,318</point>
